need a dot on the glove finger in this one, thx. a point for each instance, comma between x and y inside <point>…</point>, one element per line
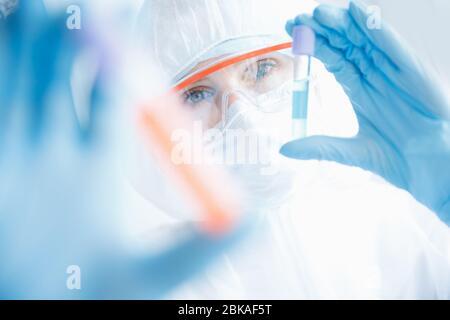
<point>376,74</point>
<point>358,75</point>
<point>340,56</point>
<point>347,151</point>
<point>341,24</point>
<point>338,20</point>
<point>344,71</point>
<point>305,19</point>
<point>333,59</point>
<point>364,91</point>
<point>383,38</point>
<point>397,64</point>
<point>290,24</point>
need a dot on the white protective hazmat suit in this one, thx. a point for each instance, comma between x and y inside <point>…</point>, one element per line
<point>337,232</point>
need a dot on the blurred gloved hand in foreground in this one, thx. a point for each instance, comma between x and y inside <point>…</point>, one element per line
<point>61,191</point>
<point>404,128</point>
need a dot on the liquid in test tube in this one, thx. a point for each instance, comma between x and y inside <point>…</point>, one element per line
<point>303,43</point>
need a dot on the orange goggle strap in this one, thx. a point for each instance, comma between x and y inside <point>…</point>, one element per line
<point>223,64</point>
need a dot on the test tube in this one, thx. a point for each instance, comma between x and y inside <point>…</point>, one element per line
<point>303,43</point>
<point>218,200</point>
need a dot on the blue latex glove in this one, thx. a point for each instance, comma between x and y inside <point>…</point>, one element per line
<point>60,190</point>
<point>404,128</point>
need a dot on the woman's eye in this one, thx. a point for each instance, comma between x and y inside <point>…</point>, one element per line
<point>259,70</point>
<point>197,95</point>
<point>264,68</point>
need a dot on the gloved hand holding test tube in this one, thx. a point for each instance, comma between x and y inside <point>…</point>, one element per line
<point>303,43</point>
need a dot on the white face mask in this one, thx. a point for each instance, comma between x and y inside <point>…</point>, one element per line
<point>250,143</point>
<point>268,181</point>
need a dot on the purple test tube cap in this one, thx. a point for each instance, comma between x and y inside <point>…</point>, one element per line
<point>303,40</point>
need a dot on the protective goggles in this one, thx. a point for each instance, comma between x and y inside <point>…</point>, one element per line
<point>262,76</point>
